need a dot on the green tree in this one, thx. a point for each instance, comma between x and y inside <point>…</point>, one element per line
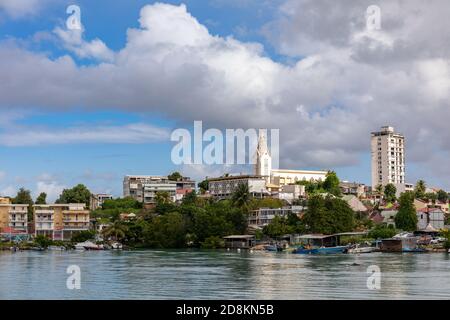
<point>83,236</point>
<point>24,197</point>
<point>241,196</point>
<point>328,215</point>
<point>78,194</point>
<point>389,192</point>
<point>379,189</point>
<point>277,227</point>
<point>213,242</point>
<point>42,241</point>
<point>420,189</point>
<point>42,198</point>
<point>430,196</point>
<point>175,176</point>
<point>190,198</point>
<point>125,204</point>
<point>442,196</point>
<point>117,231</point>
<point>382,232</point>
<point>204,186</point>
<point>331,184</point>
<point>406,218</point>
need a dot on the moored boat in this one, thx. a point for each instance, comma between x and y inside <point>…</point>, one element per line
<point>360,249</point>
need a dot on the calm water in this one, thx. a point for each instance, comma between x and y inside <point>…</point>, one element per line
<point>175,274</point>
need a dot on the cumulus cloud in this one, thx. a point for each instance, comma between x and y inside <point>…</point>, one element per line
<point>20,8</point>
<point>132,133</point>
<point>344,83</point>
<point>73,40</point>
<point>52,188</point>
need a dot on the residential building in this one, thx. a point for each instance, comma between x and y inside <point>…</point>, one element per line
<point>290,192</point>
<point>224,187</point>
<point>388,158</point>
<point>98,199</point>
<point>5,200</point>
<point>144,188</point>
<point>60,221</point>
<point>389,216</point>
<point>14,218</point>
<point>263,216</point>
<point>353,188</point>
<point>433,216</point>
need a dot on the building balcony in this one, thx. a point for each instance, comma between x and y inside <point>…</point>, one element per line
<point>75,228</point>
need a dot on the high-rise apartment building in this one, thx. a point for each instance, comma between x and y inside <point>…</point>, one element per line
<point>13,218</point>
<point>388,158</point>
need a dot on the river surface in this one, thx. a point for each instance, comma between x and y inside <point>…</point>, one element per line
<point>196,274</point>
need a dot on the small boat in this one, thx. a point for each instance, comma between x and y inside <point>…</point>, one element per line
<point>301,250</point>
<point>116,246</point>
<point>88,245</point>
<point>359,249</point>
<point>273,248</point>
<point>330,250</point>
<point>56,248</point>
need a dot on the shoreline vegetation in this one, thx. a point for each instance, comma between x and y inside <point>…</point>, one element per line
<point>202,222</point>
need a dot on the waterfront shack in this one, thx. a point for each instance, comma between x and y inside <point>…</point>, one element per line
<point>239,241</point>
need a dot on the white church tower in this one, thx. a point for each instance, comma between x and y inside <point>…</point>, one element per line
<point>263,166</point>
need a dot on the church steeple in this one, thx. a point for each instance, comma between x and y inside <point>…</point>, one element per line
<point>263,165</point>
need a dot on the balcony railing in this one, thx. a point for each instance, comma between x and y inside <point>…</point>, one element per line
<point>76,227</point>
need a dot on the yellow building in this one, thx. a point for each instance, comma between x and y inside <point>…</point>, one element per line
<point>5,200</point>
<point>60,221</point>
<point>13,218</point>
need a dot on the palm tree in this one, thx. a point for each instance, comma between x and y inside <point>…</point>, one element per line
<point>241,196</point>
<point>117,230</point>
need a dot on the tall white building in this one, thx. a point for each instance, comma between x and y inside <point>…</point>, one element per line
<point>388,158</point>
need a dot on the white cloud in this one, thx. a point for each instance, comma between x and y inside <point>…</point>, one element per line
<point>52,188</point>
<point>348,82</point>
<point>132,133</point>
<point>8,191</point>
<point>72,40</point>
<point>20,8</point>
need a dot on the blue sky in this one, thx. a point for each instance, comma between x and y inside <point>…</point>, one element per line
<point>96,140</point>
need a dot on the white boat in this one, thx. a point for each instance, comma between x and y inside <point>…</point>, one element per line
<point>116,246</point>
<point>88,245</point>
<point>56,248</point>
<point>359,249</point>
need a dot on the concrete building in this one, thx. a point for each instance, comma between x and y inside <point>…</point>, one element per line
<point>144,188</point>
<point>353,188</point>
<point>60,221</point>
<point>388,158</point>
<point>14,218</point>
<point>98,199</point>
<point>263,216</point>
<point>224,187</point>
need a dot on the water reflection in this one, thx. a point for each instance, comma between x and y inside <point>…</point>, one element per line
<point>195,274</point>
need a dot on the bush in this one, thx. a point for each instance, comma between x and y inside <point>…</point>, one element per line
<point>382,232</point>
<point>83,236</point>
<point>213,242</point>
<point>42,241</point>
